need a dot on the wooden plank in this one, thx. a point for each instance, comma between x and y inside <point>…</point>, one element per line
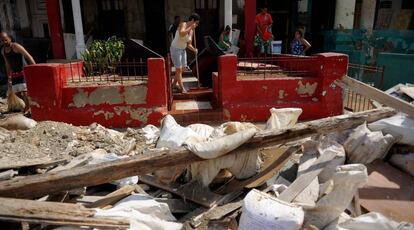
<point>307,177</point>
<point>38,163</point>
<point>277,163</point>
<point>40,185</point>
<point>192,191</point>
<point>389,191</point>
<point>378,95</point>
<point>112,197</point>
<point>55,213</point>
<point>224,210</point>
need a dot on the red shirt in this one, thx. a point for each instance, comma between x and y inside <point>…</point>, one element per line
<point>263,21</point>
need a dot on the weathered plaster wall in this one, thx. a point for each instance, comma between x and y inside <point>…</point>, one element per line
<point>251,99</point>
<point>344,14</point>
<point>368,14</point>
<point>14,17</point>
<point>111,106</point>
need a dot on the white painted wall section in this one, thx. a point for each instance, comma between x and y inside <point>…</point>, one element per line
<point>368,14</point>
<point>77,20</point>
<point>344,14</point>
<point>228,13</point>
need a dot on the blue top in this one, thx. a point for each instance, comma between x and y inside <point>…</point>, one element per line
<point>297,47</point>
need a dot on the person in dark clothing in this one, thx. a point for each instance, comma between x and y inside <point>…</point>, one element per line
<point>13,54</point>
<point>173,28</point>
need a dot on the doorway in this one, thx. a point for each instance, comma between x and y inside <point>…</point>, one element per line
<point>111,18</point>
<point>209,20</point>
<point>155,32</point>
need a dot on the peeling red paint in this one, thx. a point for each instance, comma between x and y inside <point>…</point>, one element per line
<point>111,106</point>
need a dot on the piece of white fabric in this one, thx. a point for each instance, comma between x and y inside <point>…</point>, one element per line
<point>283,118</point>
<point>369,221</point>
<point>264,212</point>
<point>151,134</point>
<point>143,212</point>
<point>325,146</point>
<point>400,126</point>
<point>18,122</point>
<point>364,146</point>
<point>219,146</point>
<point>347,179</point>
<point>98,157</point>
<point>173,135</point>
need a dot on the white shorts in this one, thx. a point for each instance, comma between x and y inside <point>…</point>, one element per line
<point>179,57</point>
<point>22,87</point>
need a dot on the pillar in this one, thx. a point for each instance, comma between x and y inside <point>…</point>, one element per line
<point>55,27</point>
<point>77,20</point>
<point>250,26</point>
<point>345,13</point>
<point>228,13</point>
<point>368,14</point>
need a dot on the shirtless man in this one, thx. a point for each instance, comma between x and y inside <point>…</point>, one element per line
<point>13,54</point>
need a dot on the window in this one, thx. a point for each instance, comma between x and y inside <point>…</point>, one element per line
<point>108,5</point>
<point>212,4</point>
<point>407,5</point>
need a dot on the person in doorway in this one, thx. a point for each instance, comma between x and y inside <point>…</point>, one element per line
<point>264,36</point>
<point>224,40</point>
<point>182,41</point>
<point>13,54</point>
<point>299,44</point>
<point>173,28</point>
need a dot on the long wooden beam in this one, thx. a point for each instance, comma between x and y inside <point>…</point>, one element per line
<point>55,213</point>
<point>40,185</point>
<point>377,95</point>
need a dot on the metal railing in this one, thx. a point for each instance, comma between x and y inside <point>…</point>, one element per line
<point>127,70</point>
<point>371,75</point>
<point>275,67</point>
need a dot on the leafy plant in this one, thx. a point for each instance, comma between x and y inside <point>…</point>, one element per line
<point>103,56</point>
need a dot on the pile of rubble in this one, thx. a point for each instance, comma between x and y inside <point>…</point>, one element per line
<point>319,174</point>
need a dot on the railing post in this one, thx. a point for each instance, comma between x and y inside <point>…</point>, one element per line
<point>157,82</point>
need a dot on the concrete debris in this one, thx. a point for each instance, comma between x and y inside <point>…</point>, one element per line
<point>105,165</point>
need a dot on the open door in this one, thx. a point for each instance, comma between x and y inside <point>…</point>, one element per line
<point>155,31</point>
<point>209,20</point>
<point>111,18</point>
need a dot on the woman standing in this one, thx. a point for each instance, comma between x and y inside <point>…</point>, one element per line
<point>299,45</point>
<point>224,41</point>
<point>183,40</point>
<point>13,54</point>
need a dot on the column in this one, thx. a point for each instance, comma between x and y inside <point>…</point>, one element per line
<point>344,14</point>
<point>55,27</point>
<point>250,26</point>
<point>77,20</point>
<point>228,13</point>
<point>368,14</point>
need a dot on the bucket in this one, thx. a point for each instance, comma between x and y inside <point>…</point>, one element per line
<point>276,47</point>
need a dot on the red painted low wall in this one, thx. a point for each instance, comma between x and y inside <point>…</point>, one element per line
<point>131,105</point>
<point>250,100</point>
